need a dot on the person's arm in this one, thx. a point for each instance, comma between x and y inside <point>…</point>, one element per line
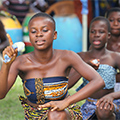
<point>117,59</point>
<point>7,79</point>
<point>3,38</point>
<point>39,5</point>
<point>5,3</point>
<point>4,44</point>
<point>118,77</point>
<point>107,100</point>
<point>74,76</point>
<point>96,83</point>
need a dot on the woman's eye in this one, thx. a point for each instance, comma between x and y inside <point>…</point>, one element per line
<point>33,31</point>
<point>118,20</point>
<point>92,31</point>
<point>45,30</point>
<point>101,31</point>
<point>111,20</point>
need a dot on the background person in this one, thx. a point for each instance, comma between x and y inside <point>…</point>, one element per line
<point>99,34</point>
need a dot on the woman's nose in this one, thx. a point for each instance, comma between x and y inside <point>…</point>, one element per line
<point>97,34</point>
<point>115,22</point>
<point>39,34</point>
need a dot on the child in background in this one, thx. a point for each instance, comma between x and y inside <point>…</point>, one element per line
<point>113,15</point>
<point>44,73</point>
<point>3,41</point>
<point>19,8</point>
<point>99,34</point>
<point>113,43</point>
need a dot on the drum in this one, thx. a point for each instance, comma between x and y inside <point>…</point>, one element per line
<point>69,33</point>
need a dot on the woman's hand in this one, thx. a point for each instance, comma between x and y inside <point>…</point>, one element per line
<point>94,63</point>
<point>10,51</point>
<point>55,105</point>
<point>105,102</point>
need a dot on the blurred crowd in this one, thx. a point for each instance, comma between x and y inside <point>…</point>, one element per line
<point>20,8</point>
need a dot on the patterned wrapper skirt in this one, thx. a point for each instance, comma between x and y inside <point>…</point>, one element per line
<point>32,113</point>
<point>89,107</point>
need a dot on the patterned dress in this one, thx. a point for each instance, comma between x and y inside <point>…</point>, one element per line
<point>43,90</point>
<point>108,73</point>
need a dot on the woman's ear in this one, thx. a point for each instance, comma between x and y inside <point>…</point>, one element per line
<point>55,35</point>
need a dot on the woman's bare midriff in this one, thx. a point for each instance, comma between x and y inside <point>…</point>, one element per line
<point>101,93</point>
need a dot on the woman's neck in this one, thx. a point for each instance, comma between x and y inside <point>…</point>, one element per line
<point>114,39</point>
<point>43,56</point>
<point>97,53</point>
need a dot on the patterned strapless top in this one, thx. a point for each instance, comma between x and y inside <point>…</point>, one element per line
<point>108,73</point>
<point>42,90</point>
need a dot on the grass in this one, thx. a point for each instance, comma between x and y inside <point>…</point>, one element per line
<point>10,107</point>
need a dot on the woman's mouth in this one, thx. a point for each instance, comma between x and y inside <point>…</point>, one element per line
<point>115,29</point>
<point>96,42</point>
<point>40,42</point>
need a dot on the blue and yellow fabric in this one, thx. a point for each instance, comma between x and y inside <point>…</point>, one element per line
<point>42,90</point>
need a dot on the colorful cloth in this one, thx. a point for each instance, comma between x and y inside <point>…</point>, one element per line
<point>43,90</point>
<point>32,113</point>
<point>19,8</point>
<point>89,107</point>
<point>108,73</point>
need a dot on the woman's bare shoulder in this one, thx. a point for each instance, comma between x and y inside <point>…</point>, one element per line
<point>83,55</point>
<point>114,55</point>
<point>65,53</point>
<point>21,59</point>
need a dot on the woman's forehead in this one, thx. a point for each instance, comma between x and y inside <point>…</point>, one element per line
<point>98,25</point>
<point>114,14</point>
<point>41,20</point>
<point>98,22</point>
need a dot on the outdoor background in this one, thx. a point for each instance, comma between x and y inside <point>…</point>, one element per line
<point>10,107</point>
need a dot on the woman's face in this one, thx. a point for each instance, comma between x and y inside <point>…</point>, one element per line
<point>114,19</point>
<point>98,34</point>
<point>42,32</point>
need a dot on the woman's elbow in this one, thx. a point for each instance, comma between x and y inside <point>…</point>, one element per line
<point>2,96</point>
<point>101,82</point>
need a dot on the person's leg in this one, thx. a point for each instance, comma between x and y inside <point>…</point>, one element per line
<point>71,113</point>
<point>107,114</point>
<point>61,115</point>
